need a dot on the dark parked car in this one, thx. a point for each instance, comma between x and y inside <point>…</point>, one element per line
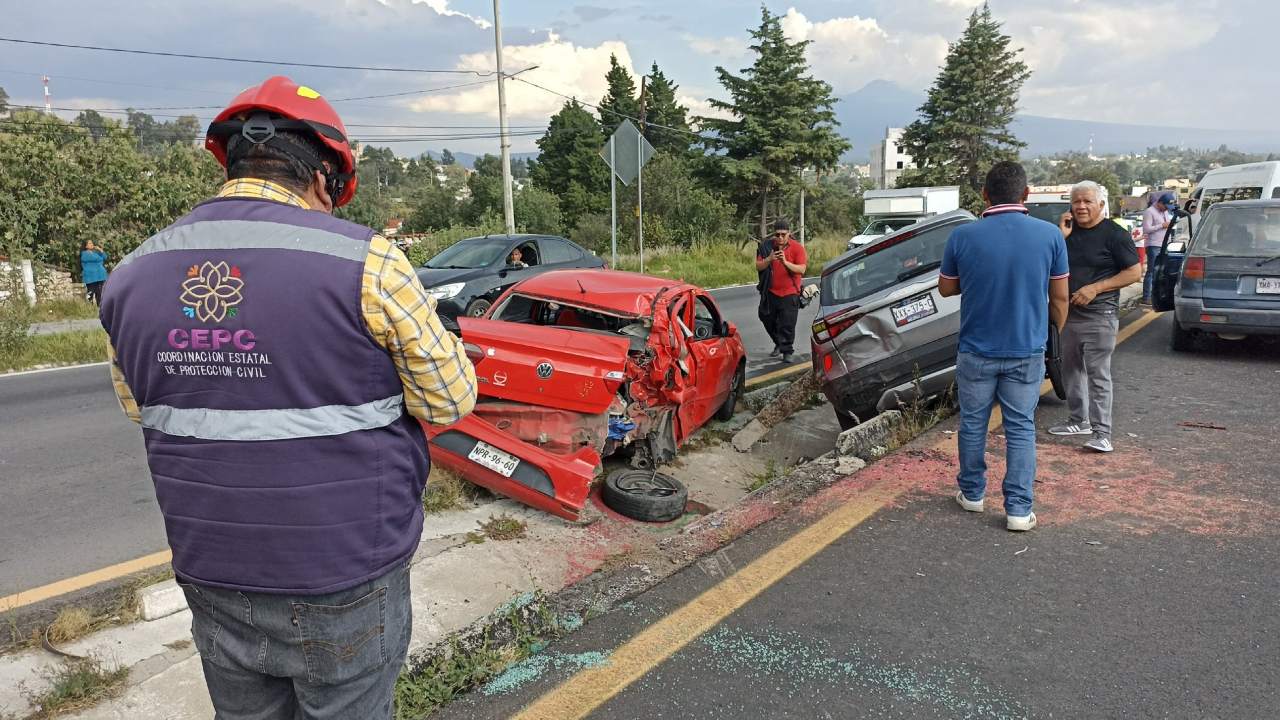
<point>469,275</point>
<point>882,329</point>
<point>1227,282</point>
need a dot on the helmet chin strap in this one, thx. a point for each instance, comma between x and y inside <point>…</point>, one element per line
<point>260,129</point>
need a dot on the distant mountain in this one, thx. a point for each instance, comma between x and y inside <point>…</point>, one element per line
<point>468,160</point>
<point>865,114</point>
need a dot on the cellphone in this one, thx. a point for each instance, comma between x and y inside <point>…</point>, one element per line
<point>1069,223</point>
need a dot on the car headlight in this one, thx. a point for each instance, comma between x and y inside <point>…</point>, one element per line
<point>444,292</point>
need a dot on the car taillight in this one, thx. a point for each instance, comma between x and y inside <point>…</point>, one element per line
<point>830,326</point>
<point>1193,269</point>
<point>474,352</point>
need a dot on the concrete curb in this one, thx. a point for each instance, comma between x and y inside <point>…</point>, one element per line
<point>161,600</point>
<point>869,440</point>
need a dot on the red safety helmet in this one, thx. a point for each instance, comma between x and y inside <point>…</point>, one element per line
<point>281,104</point>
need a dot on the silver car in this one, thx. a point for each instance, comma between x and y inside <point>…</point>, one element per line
<point>1227,283</point>
<point>883,334</point>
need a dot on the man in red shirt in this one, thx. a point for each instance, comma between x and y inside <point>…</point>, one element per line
<point>781,262</point>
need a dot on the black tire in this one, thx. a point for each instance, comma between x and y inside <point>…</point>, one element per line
<point>645,495</point>
<point>478,307</point>
<point>730,406</point>
<point>1053,362</point>
<point>1181,339</point>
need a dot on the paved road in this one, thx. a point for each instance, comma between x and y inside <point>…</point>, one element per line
<point>1149,590</point>
<point>75,493</point>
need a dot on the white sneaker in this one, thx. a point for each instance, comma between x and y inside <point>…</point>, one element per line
<point>967,504</point>
<point>1020,523</point>
<point>1071,429</point>
<point>1100,444</point>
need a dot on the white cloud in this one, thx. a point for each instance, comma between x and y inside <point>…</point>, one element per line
<point>562,66</point>
<point>726,47</point>
<point>442,7</point>
<point>701,107</point>
<point>849,52</point>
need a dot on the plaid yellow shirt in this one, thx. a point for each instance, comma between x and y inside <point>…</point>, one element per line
<point>438,378</point>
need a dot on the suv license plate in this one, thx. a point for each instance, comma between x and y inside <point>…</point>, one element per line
<point>912,309</point>
<point>1268,286</point>
<point>486,455</point>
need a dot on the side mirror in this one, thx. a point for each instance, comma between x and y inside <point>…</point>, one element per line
<point>727,329</point>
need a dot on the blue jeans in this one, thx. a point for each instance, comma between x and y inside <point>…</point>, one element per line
<point>1149,279</point>
<point>1015,383</point>
<point>313,657</point>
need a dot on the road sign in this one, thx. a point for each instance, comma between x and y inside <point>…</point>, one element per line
<point>626,152</point>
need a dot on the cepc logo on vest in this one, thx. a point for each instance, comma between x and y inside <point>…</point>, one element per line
<point>210,294</point>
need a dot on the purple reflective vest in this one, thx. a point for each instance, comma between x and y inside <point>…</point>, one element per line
<point>282,455</point>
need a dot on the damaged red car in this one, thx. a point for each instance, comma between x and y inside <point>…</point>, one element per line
<point>577,365</point>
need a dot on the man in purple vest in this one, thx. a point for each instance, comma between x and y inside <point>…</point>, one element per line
<point>278,360</point>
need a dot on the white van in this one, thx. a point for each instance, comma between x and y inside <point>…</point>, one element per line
<point>1252,181</point>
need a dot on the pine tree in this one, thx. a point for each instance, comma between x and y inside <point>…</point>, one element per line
<point>963,127</point>
<point>782,121</point>
<point>446,157</point>
<point>666,120</point>
<point>619,103</point>
<point>4,101</point>
<point>569,164</point>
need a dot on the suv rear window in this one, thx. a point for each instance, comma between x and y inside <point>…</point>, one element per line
<point>1239,232</point>
<point>881,269</point>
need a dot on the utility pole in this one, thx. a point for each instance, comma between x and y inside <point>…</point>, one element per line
<point>508,209</point>
<point>640,178</point>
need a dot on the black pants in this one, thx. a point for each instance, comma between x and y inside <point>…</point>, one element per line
<point>94,292</point>
<point>779,317</point>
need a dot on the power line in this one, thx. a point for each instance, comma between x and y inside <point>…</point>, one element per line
<point>252,61</point>
<point>646,123</point>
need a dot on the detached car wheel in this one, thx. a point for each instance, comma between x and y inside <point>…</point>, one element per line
<point>1181,340</point>
<point>645,495</point>
<point>1053,362</point>
<point>726,411</point>
<point>478,307</point>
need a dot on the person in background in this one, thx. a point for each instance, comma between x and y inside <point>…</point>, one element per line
<point>93,270</point>
<point>1103,260</point>
<point>1155,224</point>
<point>780,263</point>
<point>517,258</point>
<point>1010,271</point>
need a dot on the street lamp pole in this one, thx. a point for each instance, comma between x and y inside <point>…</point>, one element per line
<point>508,209</point>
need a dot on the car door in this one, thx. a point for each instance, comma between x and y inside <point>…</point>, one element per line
<point>1168,269</point>
<point>684,378</point>
<point>712,359</point>
<point>558,254</point>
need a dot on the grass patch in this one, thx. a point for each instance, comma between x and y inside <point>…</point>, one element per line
<point>446,490</point>
<point>75,685</point>
<point>770,473</point>
<point>71,623</point>
<point>69,348</point>
<point>425,688</point>
<point>63,309</point>
<point>722,264</point>
<point>920,415</point>
<point>503,527</point>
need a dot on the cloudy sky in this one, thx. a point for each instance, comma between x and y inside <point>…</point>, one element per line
<point>1194,63</point>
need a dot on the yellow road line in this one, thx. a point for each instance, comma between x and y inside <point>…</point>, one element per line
<point>778,374</point>
<point>591,688</point>
<point>80,582</point>
<point>1125,333</point>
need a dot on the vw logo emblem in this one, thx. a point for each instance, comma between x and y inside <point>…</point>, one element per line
<point>545,369</point>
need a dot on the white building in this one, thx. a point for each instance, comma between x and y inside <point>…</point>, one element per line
<point>888,160</point>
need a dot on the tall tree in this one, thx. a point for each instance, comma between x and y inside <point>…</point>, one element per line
<point>781,121</point>
<point>963,128</point>
<point>666,120</point>
<point>619,101</point>
<point>569,165</point>
<point>4,101</point>
<point>446,157</point>
<point>485,185</point>
<point>97,125</point>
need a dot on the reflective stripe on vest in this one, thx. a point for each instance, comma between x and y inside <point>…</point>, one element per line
<point>257,425</point>
<point>250,235</point>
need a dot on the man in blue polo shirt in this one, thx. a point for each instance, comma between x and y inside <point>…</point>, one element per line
<point>1011,273</point>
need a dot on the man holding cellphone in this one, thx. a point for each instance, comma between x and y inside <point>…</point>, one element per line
<point>780,262</point>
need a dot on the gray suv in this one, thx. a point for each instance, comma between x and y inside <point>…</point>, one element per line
<point>882,330</point>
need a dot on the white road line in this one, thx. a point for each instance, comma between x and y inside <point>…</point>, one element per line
<point>55,369</point>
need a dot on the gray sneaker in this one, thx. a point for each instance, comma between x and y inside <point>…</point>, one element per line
<point>1023,523</point>
<point>1100,444</point>
<point>1071,429</point>
<point>970,505</point>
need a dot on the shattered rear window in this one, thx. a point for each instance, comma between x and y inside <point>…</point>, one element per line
<point>536,311</point>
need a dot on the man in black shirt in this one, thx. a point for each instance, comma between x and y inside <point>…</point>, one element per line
<point>1102,260</point>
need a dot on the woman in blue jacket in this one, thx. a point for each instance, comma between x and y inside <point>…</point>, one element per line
<point>93,269</point>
